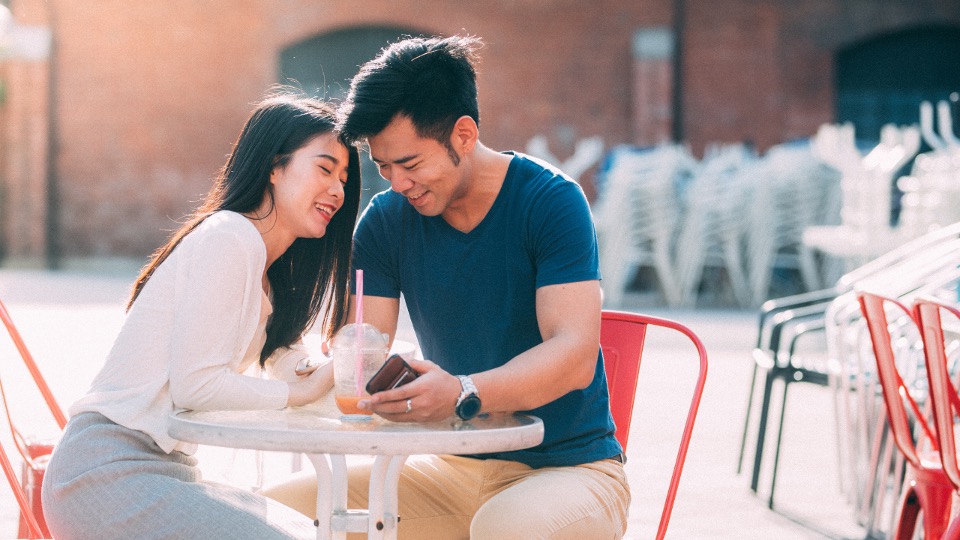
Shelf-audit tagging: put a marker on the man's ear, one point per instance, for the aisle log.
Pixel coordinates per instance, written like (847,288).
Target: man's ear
(464,136)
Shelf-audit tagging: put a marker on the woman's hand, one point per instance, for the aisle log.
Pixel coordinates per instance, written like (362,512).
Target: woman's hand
(311,387)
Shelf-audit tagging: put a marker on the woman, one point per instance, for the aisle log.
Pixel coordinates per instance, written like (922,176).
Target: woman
(238,284)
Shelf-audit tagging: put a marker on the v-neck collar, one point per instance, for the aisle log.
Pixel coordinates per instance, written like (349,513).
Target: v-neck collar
(477,231)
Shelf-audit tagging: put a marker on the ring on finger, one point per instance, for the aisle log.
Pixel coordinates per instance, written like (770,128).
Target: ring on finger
(409,406)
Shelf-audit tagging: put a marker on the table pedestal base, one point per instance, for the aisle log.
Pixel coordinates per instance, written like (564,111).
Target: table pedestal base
(334,520)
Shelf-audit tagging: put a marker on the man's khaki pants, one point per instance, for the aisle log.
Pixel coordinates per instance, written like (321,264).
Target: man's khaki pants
(452,497)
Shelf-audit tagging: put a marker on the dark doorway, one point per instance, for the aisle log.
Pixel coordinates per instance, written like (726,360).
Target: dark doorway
(323,66)
(884,79)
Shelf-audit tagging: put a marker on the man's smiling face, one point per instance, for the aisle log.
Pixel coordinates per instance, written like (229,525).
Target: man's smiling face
(420,169)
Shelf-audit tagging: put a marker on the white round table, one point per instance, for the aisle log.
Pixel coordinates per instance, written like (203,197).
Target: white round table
(318,431)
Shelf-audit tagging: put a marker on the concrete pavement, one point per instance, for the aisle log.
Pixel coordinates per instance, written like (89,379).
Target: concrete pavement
(69,318)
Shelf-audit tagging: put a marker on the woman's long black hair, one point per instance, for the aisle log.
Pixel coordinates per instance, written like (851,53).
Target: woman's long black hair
(313,275)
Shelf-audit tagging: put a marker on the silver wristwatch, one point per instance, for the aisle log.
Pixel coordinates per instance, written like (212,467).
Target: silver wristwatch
(468,404)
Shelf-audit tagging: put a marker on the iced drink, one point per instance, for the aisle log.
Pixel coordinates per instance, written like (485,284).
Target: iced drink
(358,352)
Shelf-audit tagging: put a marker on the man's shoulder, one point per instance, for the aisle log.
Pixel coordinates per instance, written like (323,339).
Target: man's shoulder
(537,179)
(385,203)
(387,198)
(383,216)
(533,166)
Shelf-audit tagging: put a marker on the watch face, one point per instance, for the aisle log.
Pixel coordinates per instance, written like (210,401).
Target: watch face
(469,407)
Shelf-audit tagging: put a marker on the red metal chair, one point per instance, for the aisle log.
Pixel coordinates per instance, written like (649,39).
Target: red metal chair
(27,518)
(622,337)
(35,453)
(943,392)
(927,490)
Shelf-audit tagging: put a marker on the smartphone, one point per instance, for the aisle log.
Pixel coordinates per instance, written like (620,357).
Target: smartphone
(395,372)
(307,365)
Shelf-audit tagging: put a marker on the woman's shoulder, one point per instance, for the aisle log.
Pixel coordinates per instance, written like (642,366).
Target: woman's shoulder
(226,231)
(227,223)
(227,220)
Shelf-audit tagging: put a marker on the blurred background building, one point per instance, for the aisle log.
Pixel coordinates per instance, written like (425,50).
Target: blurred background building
(115,115)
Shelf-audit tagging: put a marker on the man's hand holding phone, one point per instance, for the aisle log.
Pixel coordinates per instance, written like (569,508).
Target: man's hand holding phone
(394,399)
(394,373)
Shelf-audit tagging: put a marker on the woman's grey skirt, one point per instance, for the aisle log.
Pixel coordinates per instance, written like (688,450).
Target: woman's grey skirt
(107,481)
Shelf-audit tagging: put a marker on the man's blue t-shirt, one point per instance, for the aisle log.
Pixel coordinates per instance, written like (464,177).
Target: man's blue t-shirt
(472,296)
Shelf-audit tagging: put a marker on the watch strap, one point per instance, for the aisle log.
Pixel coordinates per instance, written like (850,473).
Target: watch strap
(468,404)
(467,388)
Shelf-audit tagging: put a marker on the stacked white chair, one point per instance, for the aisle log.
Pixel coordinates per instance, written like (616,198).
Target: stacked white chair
(932,191)
(713,227)
(795,191)
(637,214)
(866,184)
(734,212)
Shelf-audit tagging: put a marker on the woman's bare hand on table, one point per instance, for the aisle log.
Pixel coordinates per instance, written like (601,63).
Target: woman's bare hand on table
(311,387)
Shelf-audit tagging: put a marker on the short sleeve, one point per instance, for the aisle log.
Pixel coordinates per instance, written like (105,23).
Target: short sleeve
(563,236)
(376,247)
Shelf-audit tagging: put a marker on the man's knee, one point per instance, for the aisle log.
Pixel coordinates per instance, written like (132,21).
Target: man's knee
(495,521)
(298,492)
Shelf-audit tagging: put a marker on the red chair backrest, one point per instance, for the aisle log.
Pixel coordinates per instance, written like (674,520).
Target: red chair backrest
(895,392)
(18,342)
(34,453)
(27,517)
(943,393)
(622,336)
(621,339)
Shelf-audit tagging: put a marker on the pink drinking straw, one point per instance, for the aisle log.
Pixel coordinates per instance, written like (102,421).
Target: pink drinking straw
(358,345)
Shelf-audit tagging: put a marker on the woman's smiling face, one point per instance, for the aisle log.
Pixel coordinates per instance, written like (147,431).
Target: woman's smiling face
(308,189)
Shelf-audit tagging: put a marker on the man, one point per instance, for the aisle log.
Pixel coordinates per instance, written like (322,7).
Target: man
(496,257)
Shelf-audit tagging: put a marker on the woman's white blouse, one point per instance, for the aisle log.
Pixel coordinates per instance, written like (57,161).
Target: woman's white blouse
(197,326)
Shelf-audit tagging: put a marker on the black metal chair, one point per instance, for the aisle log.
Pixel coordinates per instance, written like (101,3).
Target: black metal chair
(782,324)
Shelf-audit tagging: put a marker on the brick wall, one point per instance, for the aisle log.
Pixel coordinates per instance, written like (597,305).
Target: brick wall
(651,110)
(24,141)
(150,95)
(762,70)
